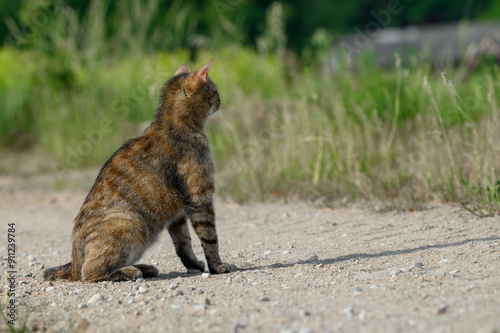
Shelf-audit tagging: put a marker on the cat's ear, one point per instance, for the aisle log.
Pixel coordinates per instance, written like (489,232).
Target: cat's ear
(202,73)
(183,69)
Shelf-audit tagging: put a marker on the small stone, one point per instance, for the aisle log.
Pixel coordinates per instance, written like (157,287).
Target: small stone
(418,264)
(238,326)
(267,252)
(175,306)
(81,325)
(395,272)
(257,271)
(286,252)
(356,290)
(177,292)
(349,311)
(56,253)
(202,300)
(199,307)
(444,261)
(27,275)
(362,315)
(82,306)
(140,280)
(454,272)
(306,330)
(143,290)
(31,257)
(440,309)
(50,288)
(256,244)
(406,269)
(173,286)
(312,258)
(96,298)
(304,312)
(206,275)
(265,299)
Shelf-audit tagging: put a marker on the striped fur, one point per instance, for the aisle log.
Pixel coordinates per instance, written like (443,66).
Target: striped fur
(158,180)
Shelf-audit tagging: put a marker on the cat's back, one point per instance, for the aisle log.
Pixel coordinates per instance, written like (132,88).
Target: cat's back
(141,176)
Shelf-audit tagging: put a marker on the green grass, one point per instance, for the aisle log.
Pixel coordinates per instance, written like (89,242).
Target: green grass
(374,134)
(485,200)
(20,322)
(403,136)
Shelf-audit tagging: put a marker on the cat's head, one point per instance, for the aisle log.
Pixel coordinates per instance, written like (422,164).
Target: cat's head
(192,92)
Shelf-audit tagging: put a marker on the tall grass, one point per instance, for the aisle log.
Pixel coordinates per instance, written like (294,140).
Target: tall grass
(376,134)
(405,135)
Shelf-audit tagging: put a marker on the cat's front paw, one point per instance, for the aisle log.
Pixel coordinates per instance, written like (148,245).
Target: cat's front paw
(223,268)
(196,268)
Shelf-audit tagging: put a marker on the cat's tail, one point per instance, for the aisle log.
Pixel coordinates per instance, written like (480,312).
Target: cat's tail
(59,272)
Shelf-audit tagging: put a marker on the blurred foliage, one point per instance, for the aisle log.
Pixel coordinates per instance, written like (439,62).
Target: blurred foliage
(79,78)
(403,134)
(196,23)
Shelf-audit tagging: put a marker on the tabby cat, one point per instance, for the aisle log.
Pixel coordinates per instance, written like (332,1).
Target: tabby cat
(159,179)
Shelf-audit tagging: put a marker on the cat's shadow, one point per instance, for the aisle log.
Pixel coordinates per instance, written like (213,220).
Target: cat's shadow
(355,256)
(173,275)
(329,261)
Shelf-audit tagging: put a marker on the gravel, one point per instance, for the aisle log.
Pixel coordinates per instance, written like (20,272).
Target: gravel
(310,270)
(96,298)
(143,290)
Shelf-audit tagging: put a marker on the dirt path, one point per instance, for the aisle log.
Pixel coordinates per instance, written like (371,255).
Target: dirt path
(301,269)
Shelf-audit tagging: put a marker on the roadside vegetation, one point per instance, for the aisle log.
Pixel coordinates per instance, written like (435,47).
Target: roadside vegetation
(403,136)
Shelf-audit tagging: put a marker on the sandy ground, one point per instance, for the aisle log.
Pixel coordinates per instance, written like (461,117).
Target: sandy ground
(300,269)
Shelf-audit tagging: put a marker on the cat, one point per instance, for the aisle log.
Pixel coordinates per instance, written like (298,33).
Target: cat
(157,180)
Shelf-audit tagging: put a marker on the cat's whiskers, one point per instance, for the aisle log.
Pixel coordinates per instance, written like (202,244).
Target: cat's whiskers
(223,115)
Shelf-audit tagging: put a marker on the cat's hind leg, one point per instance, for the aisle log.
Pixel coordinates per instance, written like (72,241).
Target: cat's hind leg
(109,267)
(179,231)
(147,271)
(113,246)
(129,273)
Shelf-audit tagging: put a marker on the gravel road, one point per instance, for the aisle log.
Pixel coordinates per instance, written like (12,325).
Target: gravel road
(300,269)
